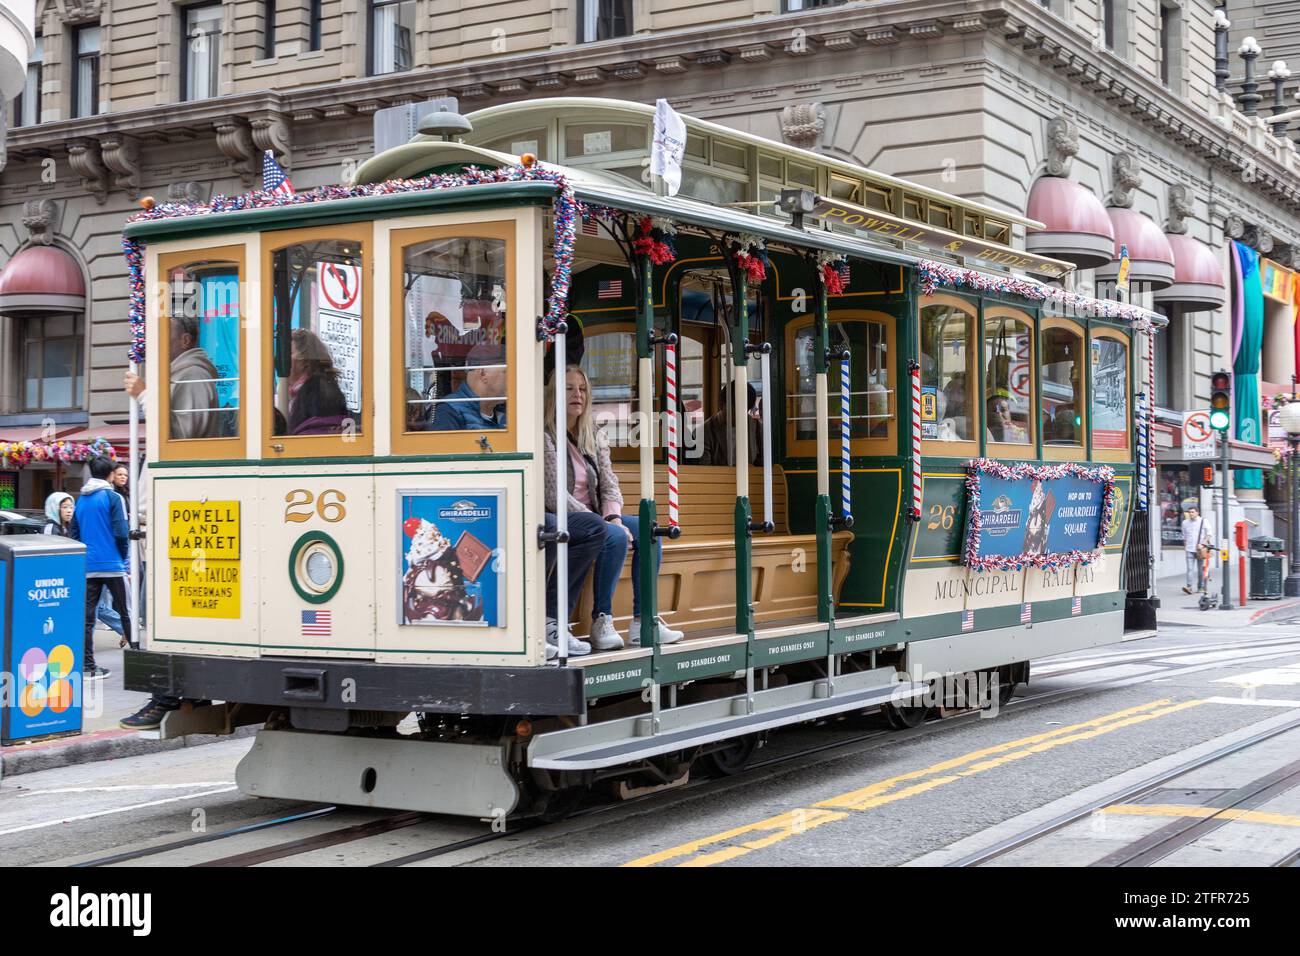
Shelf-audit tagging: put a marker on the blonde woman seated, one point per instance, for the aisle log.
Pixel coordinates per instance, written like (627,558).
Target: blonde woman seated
(593,488)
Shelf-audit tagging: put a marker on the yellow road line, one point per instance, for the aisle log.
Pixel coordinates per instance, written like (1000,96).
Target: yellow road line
(1179,810)
(793,822)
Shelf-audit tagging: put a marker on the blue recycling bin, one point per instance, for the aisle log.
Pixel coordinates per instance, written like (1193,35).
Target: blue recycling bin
(43,602)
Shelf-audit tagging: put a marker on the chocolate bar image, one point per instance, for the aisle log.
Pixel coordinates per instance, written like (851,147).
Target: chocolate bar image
(473,555)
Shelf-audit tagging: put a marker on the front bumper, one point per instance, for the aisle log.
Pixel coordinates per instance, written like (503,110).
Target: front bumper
(349,685)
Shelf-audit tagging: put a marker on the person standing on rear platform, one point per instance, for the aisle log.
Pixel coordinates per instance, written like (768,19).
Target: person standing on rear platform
(99,522)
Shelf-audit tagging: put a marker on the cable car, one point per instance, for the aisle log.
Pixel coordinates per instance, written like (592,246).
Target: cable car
(871,449)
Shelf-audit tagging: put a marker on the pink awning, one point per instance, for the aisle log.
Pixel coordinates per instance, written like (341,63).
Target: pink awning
(1198,278)
(1151,259)
(42,279)
(1078,229)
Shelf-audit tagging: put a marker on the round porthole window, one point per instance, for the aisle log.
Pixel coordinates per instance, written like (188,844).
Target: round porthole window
(316,567)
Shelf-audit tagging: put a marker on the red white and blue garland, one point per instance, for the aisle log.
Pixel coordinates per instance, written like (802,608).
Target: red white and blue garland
(566,209)
(934,274)
(1103,475)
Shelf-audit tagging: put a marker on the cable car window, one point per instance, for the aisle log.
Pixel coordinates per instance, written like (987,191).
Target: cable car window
(871,393)
(1008,379)
(203,350)
(1108,361)
(455,334)
(1063,397)
(316,375)
(949,402)
(610,362)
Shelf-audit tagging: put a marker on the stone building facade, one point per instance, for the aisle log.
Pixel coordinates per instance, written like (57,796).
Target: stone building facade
(980,98)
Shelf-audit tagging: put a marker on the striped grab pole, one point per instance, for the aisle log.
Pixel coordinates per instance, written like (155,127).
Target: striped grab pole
(915,512)
(846,493)
(1150,405)
(1142,439)
(670,379)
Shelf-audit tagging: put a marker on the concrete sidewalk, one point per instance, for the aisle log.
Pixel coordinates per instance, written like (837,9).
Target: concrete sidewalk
(101,739)
(1179,608)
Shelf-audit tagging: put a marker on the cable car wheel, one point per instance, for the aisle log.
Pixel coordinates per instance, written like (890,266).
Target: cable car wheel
(731,758)
(905,716)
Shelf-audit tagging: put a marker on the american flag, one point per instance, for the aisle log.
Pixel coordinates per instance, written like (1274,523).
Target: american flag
(968,620)
(1026,613)
(590,227)
(316,623)
(845,275)
(273,178)
(613,289)
(1076,605)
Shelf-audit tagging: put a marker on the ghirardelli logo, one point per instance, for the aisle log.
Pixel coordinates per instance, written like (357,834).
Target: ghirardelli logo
(463,512)
(1001,520)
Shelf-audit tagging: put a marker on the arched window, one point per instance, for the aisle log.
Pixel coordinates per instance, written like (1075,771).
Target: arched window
(1009,364)
(950,414)
(1065,406)
(1112,395)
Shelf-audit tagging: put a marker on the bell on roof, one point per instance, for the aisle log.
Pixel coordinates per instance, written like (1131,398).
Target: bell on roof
(446,124)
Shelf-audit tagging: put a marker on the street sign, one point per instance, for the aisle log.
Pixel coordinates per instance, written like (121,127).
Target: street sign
(1198,435)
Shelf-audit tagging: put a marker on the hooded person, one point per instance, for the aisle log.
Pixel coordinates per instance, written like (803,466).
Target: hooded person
(59,508)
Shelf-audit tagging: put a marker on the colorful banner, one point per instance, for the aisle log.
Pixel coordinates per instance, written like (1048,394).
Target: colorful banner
(1245,367)
(450,563)
(1048,516)
(1276,280)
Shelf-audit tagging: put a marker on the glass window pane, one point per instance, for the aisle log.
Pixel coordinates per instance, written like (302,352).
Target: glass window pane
(610,364)
(203,303)
(871,393)
(1062,366)
(202,51)
(456,335)
(394,26)
(32,380)
(88,40)
(1109,393)
(58,325)
(1009,380)
(594,139)
(947,374)
(58,372)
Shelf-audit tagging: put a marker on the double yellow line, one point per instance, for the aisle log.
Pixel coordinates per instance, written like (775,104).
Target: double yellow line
(739,841)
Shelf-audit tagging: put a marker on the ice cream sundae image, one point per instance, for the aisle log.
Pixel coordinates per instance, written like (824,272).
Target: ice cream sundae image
(434,585)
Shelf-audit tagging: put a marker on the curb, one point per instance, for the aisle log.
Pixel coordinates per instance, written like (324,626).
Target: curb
(1266,614)
(103,745)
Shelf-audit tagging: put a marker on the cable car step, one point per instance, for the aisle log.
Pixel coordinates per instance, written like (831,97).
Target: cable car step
(628,739)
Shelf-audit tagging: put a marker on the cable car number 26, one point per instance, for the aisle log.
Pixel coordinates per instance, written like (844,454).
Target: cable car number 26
(329,505)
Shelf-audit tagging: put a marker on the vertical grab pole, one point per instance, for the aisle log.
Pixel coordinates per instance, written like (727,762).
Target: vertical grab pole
(740,398)
(133,519)
(765,361)
(561,425)
(670,400)
(846,492)
(825,612)
(646,513)
(915,369)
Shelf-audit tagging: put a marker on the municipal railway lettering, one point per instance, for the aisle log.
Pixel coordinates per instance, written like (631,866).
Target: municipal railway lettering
(978,585)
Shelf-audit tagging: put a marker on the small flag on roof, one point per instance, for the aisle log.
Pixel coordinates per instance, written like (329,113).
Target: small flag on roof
(273,178)
(613,289)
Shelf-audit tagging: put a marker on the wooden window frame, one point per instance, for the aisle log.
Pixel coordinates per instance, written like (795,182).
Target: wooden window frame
(861,447)
(969,448)
(994,449)
(198,449)
(625,452)
(1124,454)
(454,442)
(319,446)
(1077,452)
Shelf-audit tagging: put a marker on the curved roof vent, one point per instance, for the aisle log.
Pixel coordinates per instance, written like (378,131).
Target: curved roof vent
(445,124)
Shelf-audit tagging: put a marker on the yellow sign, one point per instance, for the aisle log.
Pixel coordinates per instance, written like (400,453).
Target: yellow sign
(205,589)
(203,544)
(203,530)
(1125,264)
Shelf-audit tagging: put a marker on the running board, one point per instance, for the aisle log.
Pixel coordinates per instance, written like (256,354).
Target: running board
(628,739)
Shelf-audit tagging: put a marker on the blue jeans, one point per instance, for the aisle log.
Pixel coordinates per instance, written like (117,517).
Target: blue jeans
(107,615)
(609,565)
(586,538)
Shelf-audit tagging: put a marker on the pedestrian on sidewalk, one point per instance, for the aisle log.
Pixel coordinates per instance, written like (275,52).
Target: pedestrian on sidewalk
(59,508)
(100,524)
(1196,548)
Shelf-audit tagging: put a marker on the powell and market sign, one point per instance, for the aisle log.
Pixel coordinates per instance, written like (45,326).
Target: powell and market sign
(887,226)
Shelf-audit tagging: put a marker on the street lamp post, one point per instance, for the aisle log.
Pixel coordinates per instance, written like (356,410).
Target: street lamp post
(1289,417)
(1279,74)
(1221,70)
(1249,97)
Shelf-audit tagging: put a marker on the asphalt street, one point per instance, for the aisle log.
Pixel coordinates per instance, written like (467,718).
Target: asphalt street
(1082,740)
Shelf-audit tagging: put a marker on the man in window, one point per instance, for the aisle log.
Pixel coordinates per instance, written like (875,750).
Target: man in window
(193,382)
(480,402)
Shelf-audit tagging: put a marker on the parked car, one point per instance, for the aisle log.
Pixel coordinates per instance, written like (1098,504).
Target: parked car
(21,522)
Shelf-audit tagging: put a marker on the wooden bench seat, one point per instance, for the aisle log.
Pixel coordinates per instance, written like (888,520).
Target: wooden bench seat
(697,577)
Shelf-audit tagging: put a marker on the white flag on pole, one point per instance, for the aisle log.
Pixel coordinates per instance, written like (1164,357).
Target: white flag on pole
(669,146)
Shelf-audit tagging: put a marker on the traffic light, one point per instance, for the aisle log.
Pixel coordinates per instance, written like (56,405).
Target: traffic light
(1220,400)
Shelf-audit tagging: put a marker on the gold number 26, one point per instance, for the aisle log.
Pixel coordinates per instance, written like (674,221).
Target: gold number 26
(329,505)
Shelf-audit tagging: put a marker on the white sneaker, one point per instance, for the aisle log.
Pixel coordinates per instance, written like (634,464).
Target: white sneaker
(577,648)
(603,637)
(665,635)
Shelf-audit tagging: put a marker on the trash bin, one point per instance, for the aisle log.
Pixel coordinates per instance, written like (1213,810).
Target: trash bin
(1265,568)
(43,607)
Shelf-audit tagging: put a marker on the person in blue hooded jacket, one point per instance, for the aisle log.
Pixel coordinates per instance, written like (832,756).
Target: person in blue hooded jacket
(99,523)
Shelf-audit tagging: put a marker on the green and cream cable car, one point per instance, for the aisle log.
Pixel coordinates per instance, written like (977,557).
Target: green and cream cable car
(873,453)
